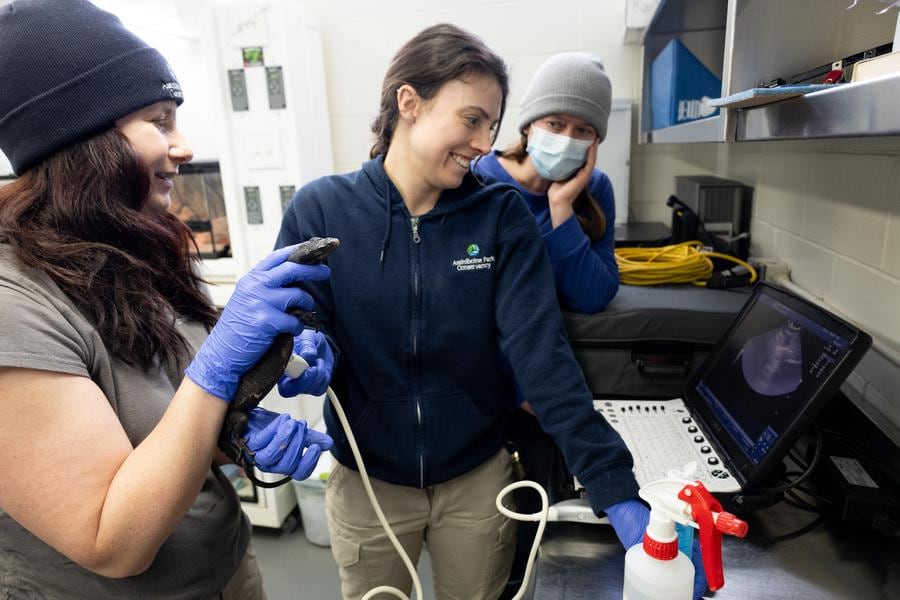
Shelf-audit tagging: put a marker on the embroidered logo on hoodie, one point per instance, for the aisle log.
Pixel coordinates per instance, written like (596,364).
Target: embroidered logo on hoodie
(473,262)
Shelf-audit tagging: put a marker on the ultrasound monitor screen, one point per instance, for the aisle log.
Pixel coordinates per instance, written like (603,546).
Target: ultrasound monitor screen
(771,366)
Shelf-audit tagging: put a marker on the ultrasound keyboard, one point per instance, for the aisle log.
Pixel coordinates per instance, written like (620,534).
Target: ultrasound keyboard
(663,439)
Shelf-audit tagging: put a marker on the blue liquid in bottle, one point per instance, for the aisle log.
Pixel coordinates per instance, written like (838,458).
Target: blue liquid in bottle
(685,538)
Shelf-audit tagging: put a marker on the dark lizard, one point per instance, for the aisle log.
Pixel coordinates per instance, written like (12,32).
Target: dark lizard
(262,377)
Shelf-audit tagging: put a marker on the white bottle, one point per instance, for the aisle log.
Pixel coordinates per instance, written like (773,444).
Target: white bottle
(656,570)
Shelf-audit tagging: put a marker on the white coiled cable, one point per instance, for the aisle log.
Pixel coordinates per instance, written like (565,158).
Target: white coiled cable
(540,516)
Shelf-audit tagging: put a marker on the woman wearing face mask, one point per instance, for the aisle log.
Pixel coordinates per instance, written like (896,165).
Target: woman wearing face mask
(562,119)
(115,373)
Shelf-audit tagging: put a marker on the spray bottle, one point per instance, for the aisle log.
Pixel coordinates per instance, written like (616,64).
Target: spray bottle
(656,570)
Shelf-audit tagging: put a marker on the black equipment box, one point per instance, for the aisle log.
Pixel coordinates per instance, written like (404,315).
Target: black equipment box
(649,340)
(724,208)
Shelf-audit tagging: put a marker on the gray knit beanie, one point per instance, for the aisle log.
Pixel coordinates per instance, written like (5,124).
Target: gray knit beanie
(69,70)
(572,83)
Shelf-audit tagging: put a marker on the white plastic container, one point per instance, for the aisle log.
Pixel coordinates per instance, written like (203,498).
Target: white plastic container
(655,569)
(311,499)
(649,578)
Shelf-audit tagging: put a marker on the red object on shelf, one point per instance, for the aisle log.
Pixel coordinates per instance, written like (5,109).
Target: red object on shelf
(834,76)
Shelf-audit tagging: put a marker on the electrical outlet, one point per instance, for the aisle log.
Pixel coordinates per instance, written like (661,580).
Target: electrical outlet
(263,148)
(773,269)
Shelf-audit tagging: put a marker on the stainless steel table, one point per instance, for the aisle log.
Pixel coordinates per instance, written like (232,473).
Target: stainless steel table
(833,560)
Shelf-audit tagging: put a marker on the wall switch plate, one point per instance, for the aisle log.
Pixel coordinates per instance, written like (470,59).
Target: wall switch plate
(286,192)
(237,85)
(264,149)
(253,203)
(275,87)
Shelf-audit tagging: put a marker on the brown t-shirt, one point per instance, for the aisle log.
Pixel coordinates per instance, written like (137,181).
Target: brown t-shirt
(40,328)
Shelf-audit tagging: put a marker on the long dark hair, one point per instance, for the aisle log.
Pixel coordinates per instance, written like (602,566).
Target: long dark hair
(76,216)
(590,215)
(436,55)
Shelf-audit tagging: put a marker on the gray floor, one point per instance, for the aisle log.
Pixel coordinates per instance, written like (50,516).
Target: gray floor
(295,569)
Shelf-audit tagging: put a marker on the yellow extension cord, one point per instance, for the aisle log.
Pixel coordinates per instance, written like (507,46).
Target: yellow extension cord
(686,262)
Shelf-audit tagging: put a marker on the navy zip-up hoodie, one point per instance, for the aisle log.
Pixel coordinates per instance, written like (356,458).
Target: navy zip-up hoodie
(420,310)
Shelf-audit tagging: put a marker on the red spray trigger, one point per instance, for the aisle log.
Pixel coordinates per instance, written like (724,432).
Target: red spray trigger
(713,522)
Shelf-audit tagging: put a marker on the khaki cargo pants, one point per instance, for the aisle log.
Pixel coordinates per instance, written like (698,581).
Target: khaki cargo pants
(471,544)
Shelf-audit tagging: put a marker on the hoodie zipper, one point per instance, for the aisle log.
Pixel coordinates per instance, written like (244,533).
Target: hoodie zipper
(414,224)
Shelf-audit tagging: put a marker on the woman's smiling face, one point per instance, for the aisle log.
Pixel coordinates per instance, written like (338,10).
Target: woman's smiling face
(453,128)
(153,134)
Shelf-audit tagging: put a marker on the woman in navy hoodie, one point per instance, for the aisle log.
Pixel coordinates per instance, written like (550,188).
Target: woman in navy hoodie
(437,277)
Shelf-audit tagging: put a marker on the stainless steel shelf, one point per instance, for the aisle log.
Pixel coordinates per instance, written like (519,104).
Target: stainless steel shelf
(682,17)
(867,108)
(748,41)
(703,130)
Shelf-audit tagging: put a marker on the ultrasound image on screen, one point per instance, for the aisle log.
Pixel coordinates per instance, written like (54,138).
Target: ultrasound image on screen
(773,364)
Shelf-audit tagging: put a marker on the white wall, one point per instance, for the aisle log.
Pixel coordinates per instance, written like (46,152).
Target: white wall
(361,36)
(5,167)
(171,27)
(830,209)
(174,28)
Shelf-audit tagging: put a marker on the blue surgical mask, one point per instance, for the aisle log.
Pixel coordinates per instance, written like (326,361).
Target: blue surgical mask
(556,157)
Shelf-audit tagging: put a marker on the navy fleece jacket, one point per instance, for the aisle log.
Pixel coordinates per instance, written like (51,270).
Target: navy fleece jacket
(586,273)
(421,309)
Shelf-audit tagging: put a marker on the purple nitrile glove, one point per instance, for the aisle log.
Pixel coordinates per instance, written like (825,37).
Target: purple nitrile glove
(313,347)
(284,445)
(629,520)
(253,316)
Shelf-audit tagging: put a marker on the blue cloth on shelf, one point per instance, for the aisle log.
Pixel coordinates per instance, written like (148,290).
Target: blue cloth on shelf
(757,96)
